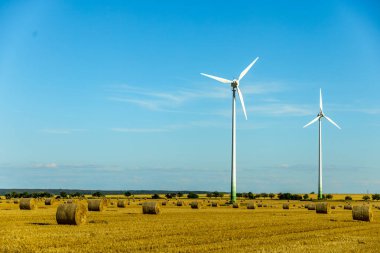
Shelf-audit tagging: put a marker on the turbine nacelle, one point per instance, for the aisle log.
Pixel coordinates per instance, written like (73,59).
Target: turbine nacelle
(235,83)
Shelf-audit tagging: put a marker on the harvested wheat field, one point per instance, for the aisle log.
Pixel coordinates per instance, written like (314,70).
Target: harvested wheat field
(183,229)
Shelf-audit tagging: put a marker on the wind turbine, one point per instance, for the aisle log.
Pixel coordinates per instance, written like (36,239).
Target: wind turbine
(235,87)
(319,118)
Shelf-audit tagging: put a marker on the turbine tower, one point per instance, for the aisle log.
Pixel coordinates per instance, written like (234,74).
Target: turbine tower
(235,87)
(319,118)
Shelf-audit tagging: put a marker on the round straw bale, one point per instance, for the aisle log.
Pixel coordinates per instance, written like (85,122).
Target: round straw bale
(121,203)
(95,205)
(251,205)
(214,204)
(285,206)
(333,207)
(265,205)
(164,203)
(195,205)
(311,207)
(70,201)
(28,204)
(180,203)
(259,205)
(307,206)
(49,201)
(16,201)
(150,208)
(363,213)
(236,205)
(71,214)
(347,207)
(323,207)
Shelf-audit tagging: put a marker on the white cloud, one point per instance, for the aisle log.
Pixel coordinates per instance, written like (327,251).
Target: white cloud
(139,130)
(161,100)
(45,165)
(281,109)
(61,130)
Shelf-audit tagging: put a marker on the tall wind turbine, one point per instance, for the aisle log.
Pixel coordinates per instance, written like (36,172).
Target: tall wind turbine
(235,87)
(319,118)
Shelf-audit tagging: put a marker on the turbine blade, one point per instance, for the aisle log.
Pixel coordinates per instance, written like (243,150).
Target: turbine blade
(242,102)
(242,74)
(332,122)
(320,100)
(311,122)
(222,80)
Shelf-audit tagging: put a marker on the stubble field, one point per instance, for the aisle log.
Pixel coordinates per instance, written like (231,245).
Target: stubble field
(182,229)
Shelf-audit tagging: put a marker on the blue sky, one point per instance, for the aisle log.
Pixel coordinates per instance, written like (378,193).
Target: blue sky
(108,95)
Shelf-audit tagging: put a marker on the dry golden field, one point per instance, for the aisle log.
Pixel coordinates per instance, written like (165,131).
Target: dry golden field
(182,229)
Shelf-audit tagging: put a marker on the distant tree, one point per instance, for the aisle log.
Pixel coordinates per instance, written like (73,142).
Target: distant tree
(97,194)
(127,194)
(366,198)
(375,196)
(264,195)
(288,196)
(155,196)
(217,194)
(348,198)
(239,195)
(209,195)
(329,196)
(77,195)
(192,195)
(312,192)
(306,196)
(250,195)
(179,194)
(63,194)
(271,195)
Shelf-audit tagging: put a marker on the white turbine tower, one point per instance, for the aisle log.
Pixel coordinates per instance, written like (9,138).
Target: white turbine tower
(235,87)
(319,117)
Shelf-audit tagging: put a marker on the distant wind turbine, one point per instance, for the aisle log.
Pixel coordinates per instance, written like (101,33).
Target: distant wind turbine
(235,87)
(319,117)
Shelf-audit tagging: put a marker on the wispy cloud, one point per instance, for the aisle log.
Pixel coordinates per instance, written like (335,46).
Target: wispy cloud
(45,165)
(139,130)
(282,109)
(173,99)
(61,130)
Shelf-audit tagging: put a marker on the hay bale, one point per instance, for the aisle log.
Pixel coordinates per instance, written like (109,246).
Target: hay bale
(311,207)
(259,205)
(49,202)
(236,205)
(121,203)
(164,203)
(71,214)
(180,203)
(95,205)
(333,207)
(265,205)
(363,213)
(214,204)
(195,205)
(307,206)
(70,201)
(150,208)
(251,205)
(347,207)
(16,201)
(285,206)
(323,207)
(28,204)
